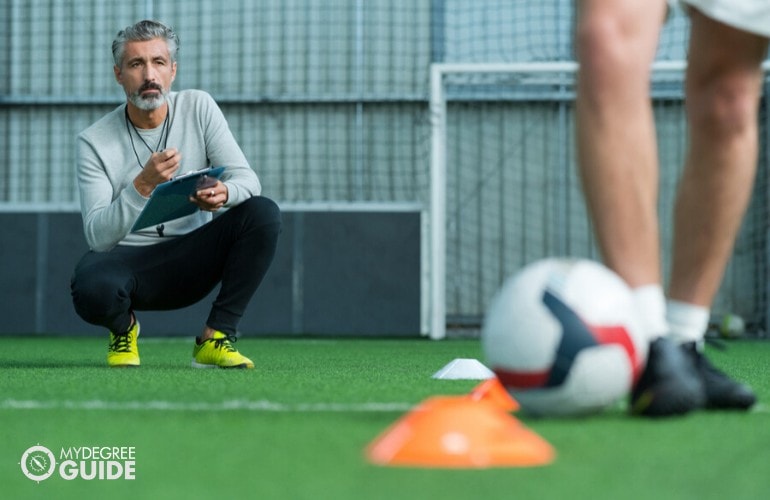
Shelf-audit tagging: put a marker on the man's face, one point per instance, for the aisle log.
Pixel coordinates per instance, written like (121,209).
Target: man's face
(146,73)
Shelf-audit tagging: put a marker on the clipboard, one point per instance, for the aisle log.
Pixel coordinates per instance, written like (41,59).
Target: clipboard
(171,199)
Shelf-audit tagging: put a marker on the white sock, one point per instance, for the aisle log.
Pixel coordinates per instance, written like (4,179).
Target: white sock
(688,322)
(650,302)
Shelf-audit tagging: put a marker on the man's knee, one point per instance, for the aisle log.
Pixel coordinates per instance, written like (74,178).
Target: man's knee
(724,103)
(263,212)
(616,43)
(97,289)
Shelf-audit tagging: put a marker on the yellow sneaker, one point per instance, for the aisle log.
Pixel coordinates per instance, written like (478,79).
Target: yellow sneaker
(218,352)
(123,349)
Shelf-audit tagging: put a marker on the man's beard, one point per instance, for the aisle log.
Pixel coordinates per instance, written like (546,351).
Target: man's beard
(149,102)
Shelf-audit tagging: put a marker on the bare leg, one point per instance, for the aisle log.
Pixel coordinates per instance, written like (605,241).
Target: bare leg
(617,150)
(723,89)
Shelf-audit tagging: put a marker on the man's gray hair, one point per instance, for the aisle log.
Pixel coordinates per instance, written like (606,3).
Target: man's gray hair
(144,31)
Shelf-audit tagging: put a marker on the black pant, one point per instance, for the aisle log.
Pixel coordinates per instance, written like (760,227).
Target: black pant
(236,249)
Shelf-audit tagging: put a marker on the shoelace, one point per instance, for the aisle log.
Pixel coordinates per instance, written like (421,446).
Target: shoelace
(120,343)
(225,343)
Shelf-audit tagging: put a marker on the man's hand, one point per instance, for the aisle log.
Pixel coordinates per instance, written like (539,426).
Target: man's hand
(211,198)
(159,168)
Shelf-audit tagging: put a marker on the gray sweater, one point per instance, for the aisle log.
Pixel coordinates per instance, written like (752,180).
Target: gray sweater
(108,164)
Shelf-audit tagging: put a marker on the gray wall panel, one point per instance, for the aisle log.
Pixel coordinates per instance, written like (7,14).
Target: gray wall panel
(18,266)
(361,277)
(65,246)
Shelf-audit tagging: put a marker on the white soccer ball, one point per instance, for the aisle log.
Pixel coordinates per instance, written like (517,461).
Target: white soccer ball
(563,337)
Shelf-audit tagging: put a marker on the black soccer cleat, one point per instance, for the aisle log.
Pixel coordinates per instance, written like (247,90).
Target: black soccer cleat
(722,392)
(669,385)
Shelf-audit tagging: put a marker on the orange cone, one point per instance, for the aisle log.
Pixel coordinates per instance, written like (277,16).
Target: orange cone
(458,432)
(493,391)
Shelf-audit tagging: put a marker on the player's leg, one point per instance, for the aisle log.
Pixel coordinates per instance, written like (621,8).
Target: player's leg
(616,43)
(723,91)
(617,150)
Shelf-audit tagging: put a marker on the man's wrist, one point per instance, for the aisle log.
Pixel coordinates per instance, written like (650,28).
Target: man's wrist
(143,188)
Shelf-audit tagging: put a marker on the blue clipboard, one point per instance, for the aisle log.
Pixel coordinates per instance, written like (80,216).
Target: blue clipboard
(171,200)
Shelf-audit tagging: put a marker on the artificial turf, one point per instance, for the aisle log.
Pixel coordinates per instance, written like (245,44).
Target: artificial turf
(296,427)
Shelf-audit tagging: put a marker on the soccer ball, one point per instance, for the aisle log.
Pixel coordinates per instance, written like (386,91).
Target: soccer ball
(563,337)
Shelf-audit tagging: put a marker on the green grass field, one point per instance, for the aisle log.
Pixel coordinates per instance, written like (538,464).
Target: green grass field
(296,427)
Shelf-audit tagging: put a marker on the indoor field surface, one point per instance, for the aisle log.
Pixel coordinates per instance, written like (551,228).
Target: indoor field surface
(298,425)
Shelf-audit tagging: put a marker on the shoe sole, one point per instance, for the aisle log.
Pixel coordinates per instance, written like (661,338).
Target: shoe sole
(204,366)
(129,364)
(666,401)
(731,403)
